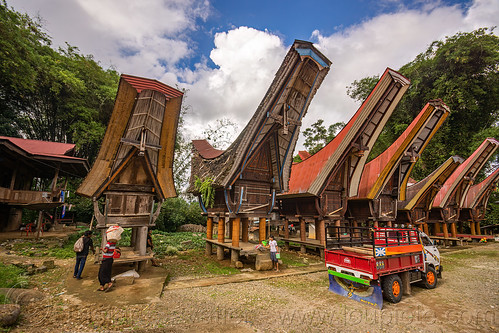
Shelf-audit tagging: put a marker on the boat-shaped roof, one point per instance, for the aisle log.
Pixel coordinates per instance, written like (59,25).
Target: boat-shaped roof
(311,176)
(476,192)
(145,119)
(408,147)
(276,120)
(464,175)
(427,188)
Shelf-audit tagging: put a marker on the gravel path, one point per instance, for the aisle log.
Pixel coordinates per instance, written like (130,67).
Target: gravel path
(466,299)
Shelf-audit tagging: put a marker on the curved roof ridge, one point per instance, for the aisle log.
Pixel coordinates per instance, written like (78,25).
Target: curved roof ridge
(205,149)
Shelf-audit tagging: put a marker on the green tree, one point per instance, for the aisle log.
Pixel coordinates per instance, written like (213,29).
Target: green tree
(317,136)
(176,212)
(462,70)
(46,94)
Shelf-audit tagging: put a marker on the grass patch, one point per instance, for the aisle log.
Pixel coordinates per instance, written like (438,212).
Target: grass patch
(291,260)
(12,276)
(195,263)
(164,242)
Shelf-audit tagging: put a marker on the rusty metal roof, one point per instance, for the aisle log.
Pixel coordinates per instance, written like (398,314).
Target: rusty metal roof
(310,176)
(424,189)
(404,152)
(465,173)
(206,150)
(140,84)
(477,191)
(51,155)
(38,147)
(304,154)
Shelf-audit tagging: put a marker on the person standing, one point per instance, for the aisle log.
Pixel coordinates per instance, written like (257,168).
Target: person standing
(273,253)
(81,257)
(106,266)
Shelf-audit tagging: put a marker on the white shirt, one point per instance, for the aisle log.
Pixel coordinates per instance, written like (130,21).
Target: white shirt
(273,245)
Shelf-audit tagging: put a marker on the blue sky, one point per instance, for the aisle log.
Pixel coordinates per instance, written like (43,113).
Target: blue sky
(227,52)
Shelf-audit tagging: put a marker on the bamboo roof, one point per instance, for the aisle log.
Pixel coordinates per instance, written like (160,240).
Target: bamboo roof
(143,123)
(277,121)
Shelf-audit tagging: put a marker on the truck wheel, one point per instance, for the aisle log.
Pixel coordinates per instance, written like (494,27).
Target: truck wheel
(430,278)
(392,288)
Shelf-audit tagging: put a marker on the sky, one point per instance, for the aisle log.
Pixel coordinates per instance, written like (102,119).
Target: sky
(226,52)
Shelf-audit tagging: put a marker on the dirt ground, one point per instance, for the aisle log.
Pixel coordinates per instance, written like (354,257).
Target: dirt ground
(466,299)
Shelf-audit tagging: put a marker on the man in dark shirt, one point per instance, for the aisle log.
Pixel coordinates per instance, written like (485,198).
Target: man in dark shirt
(81,257)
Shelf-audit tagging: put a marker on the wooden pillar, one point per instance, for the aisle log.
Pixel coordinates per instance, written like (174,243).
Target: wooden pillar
(322,227)
(142,245)
(303,230)
(303,235)
(286,228)
(389,224)
(453,229)
(236,227)
(209,235)
(13,179)
(221,230)
(477,228)
(229,225)
(209,227)
(54,182)
(133,237)
(446,230)
(355,225)
(376,224)
(437,228)
(245,229)
(141,241)
(39,224)
(317,230)
(472,227)
(262,228)
(425,228)
(337,230)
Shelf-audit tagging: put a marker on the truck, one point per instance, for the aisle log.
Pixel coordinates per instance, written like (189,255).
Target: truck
(368,264)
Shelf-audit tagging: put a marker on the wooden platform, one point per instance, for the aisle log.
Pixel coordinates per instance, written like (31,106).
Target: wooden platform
(244,248)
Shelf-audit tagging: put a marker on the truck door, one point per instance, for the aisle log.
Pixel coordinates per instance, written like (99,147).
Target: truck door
(431,253)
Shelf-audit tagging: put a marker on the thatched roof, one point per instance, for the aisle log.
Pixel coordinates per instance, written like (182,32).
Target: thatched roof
(277,120)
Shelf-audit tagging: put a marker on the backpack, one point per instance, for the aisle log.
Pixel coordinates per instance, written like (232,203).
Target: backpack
(78,247)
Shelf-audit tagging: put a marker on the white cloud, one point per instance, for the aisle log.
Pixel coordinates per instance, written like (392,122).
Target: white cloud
(150,38)
(247,60)
(145,38)
(389,40)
